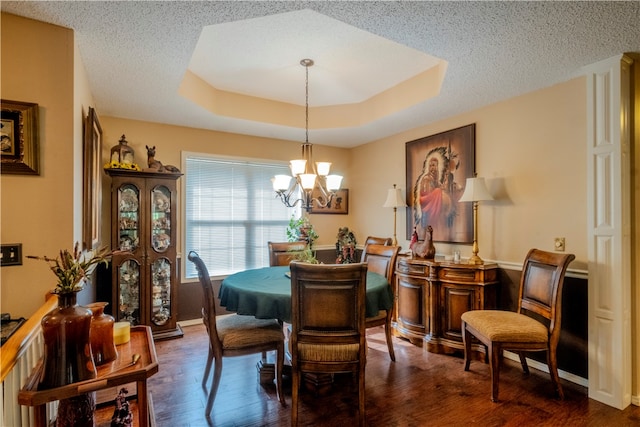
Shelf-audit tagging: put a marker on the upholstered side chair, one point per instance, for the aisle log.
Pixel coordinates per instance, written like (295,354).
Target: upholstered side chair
(234,335)
(540,296)
(328,332)
(381,259)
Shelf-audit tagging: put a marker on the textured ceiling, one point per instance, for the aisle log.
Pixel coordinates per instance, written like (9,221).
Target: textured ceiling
(137,53)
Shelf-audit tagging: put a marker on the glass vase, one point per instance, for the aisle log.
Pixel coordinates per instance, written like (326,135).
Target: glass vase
(103,346)
(67,347)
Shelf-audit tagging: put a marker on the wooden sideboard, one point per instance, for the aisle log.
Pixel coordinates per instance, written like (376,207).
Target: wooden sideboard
(431,296)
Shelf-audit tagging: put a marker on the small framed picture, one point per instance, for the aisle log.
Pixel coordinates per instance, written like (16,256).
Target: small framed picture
(19,138)
(339,204)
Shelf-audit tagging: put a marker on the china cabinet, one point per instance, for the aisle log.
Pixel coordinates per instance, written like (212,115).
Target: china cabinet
(143,232)
(432,295)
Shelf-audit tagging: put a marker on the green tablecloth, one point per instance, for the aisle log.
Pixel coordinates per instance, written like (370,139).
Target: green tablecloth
(266,293)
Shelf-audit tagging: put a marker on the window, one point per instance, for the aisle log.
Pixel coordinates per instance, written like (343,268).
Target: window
(231,213)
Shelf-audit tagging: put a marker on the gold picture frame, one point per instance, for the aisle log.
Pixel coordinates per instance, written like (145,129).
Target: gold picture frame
(338,205)
(19,138)
(92,181)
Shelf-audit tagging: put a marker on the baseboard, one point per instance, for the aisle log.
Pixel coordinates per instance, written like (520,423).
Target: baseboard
(544,368)
(190,322)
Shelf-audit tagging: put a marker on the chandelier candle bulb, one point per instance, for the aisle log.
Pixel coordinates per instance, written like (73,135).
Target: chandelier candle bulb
(121,332)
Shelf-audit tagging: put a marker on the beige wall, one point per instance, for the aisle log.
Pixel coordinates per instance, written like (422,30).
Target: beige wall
(39,211)
(532,152)
(172,141)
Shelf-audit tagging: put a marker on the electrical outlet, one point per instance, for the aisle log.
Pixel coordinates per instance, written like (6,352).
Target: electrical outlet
(11,254)
(558,244)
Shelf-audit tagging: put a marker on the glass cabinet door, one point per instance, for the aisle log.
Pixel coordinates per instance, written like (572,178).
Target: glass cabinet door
(160,291)
(160,218)
(129,292)
(129,215)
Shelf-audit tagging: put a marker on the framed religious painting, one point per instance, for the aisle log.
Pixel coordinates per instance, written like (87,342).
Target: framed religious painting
(92,182)
(19,138)
(437,169)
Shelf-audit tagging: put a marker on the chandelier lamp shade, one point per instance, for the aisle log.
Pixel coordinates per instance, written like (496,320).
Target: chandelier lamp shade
(475,191)
(395,201)
(305,174)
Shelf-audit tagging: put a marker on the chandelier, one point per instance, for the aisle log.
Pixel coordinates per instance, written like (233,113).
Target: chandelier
(306,175)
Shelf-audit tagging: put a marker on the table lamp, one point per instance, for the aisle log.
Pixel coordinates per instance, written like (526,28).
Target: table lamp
(475,191)
(395,201)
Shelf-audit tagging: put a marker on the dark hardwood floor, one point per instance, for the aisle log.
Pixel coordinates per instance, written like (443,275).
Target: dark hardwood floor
(419,389)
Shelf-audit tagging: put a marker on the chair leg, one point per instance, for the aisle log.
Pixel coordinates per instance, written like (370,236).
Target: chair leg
(466,341)
(523,362)
(387,332)
(207,368)
(552,362)
(278,372)
(295,388)
(361,400)
(215,382)
(495,352)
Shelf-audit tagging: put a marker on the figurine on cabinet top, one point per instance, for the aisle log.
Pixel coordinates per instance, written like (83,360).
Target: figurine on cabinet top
(156,165)
(423,248)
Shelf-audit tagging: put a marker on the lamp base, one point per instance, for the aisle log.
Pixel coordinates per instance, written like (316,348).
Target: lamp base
(475,260)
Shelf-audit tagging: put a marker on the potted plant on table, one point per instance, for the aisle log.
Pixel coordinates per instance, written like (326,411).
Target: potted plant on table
(301,229)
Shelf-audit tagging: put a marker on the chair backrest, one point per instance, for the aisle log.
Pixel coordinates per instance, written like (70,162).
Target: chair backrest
(381,259)
(541,287)
(373,240)
(282,253)
(208,300)
(378,241)
(328,303)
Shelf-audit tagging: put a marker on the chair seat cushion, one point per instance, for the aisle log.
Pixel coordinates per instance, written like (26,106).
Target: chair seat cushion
(328,353)
(506,326)
(237,331)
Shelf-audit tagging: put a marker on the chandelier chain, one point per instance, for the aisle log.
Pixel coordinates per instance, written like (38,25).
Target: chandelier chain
(306,68)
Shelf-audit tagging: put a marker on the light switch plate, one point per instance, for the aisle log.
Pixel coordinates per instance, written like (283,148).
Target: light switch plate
(11,254)
(558,244)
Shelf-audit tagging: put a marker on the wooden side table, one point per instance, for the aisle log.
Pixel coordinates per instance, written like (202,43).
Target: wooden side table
(115,373)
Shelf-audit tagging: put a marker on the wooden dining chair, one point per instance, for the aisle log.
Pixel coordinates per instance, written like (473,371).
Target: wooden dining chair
(235,335)
(373,240)
(540,295)
(328,331)
(382,260)
(282,253)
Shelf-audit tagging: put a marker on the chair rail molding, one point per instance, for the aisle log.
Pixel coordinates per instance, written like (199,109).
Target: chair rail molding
(608,230)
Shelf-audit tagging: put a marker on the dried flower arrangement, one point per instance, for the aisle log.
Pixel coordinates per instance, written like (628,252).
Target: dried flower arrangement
(73,268)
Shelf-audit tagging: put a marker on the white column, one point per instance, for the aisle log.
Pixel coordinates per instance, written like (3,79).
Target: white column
(608,229)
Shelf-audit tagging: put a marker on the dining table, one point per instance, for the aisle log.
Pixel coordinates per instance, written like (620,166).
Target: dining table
(265,293)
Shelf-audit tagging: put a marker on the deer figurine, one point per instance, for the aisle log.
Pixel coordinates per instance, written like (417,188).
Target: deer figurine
(156,165)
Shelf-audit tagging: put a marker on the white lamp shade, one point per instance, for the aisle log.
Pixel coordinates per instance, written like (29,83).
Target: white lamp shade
(298,166)
(475,190)
(333,182)
(394,199)
(281,182)
(323,168)
(308,180)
